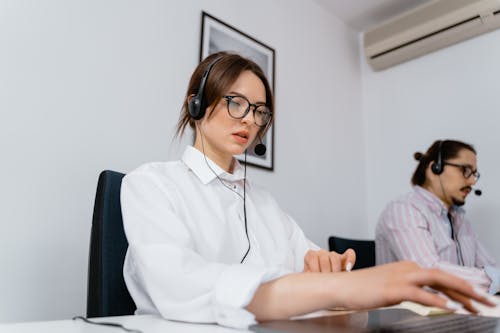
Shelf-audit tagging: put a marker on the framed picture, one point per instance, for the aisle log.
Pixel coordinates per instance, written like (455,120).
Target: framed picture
(218,36)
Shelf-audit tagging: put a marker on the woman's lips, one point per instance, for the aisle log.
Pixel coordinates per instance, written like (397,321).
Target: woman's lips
(241,137)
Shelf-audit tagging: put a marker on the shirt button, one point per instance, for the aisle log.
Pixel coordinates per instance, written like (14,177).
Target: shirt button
(234,186)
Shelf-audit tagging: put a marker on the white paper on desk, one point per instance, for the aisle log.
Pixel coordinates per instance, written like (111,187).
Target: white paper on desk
(422,309)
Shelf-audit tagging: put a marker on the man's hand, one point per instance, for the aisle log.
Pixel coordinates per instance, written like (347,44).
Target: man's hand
(327,262)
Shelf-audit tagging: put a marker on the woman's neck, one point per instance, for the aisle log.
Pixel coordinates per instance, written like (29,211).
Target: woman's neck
(225,162)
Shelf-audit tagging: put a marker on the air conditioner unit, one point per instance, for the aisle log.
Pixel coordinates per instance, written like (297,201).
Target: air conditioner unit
(435,25)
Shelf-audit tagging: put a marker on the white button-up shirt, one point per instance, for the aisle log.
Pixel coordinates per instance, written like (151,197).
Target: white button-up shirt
(185,226)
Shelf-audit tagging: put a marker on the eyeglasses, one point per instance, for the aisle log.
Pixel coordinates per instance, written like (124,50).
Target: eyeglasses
(466,170)
(239,106)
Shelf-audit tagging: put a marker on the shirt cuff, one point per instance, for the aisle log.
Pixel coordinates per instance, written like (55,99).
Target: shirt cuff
(235,289)
(494,275)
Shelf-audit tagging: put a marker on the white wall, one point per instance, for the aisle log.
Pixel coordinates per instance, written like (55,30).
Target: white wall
(89,85)
(452,93)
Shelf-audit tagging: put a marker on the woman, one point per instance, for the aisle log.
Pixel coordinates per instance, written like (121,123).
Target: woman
(207,245)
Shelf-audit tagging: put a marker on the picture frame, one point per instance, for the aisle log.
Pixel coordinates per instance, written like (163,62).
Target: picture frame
(216,36)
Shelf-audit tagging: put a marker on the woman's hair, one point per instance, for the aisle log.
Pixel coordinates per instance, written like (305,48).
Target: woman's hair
(447,148)
(222,76)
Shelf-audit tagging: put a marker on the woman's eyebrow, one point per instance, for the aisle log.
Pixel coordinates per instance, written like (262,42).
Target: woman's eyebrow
(242,95)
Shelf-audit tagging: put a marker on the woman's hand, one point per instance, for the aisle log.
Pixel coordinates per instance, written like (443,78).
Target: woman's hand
(405,281)
(328,262)
(362,289)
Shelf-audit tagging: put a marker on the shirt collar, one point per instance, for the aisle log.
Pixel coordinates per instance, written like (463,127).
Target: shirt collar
(435,204)
(206,169)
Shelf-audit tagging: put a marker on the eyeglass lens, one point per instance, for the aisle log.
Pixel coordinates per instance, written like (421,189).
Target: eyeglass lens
(238,107)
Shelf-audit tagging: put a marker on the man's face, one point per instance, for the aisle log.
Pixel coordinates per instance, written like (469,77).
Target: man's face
(454,183)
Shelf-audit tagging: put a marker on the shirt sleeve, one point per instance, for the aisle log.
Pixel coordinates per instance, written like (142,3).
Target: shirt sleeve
(486,261)
(406,230)
(494,275)
(483,257)
(164,271)
(301,245)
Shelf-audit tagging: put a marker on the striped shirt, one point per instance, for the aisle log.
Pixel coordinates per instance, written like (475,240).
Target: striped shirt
(416,227)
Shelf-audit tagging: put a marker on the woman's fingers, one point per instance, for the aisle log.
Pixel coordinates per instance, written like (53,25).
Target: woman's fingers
(430,298)
(327,262)
(311,262)
(336,261)
(453,286)
(348,260)
(460,298)
(306,267)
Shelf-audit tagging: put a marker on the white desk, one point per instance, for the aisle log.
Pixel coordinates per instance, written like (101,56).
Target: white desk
(155,324)
(144,323)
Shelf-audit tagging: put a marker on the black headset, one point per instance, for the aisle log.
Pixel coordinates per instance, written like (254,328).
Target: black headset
(197,105)
(438,167)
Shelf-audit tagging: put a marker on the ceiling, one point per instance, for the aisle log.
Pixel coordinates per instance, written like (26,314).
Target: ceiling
(361,15)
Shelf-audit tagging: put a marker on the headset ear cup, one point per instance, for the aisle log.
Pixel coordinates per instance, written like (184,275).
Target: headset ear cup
(195,108)
(197,105)
(437,168)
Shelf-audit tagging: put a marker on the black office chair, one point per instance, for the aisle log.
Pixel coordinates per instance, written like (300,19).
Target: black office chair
(365,250)
(107,294)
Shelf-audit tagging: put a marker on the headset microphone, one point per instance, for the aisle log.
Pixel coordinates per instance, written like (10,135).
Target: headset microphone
(260,148)
(478,192)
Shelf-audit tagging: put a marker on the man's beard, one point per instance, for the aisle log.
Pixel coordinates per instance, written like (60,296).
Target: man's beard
(457,202)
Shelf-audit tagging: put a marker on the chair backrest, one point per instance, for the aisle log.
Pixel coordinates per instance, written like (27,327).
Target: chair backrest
(107,294)
(365,250)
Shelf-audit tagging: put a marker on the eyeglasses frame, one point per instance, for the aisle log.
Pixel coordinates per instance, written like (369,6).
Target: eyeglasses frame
(464,168)
(252,106)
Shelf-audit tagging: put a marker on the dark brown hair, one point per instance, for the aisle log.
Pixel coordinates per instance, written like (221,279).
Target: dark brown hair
(222,75)
(449,149)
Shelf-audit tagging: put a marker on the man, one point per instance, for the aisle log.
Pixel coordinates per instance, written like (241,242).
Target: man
(428,224)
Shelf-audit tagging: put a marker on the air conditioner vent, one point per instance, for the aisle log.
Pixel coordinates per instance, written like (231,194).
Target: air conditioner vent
(435,25)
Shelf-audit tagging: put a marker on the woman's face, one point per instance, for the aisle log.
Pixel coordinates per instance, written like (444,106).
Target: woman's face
(224,136)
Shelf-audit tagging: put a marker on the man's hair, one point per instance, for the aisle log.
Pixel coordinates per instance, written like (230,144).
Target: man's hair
(447,148)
